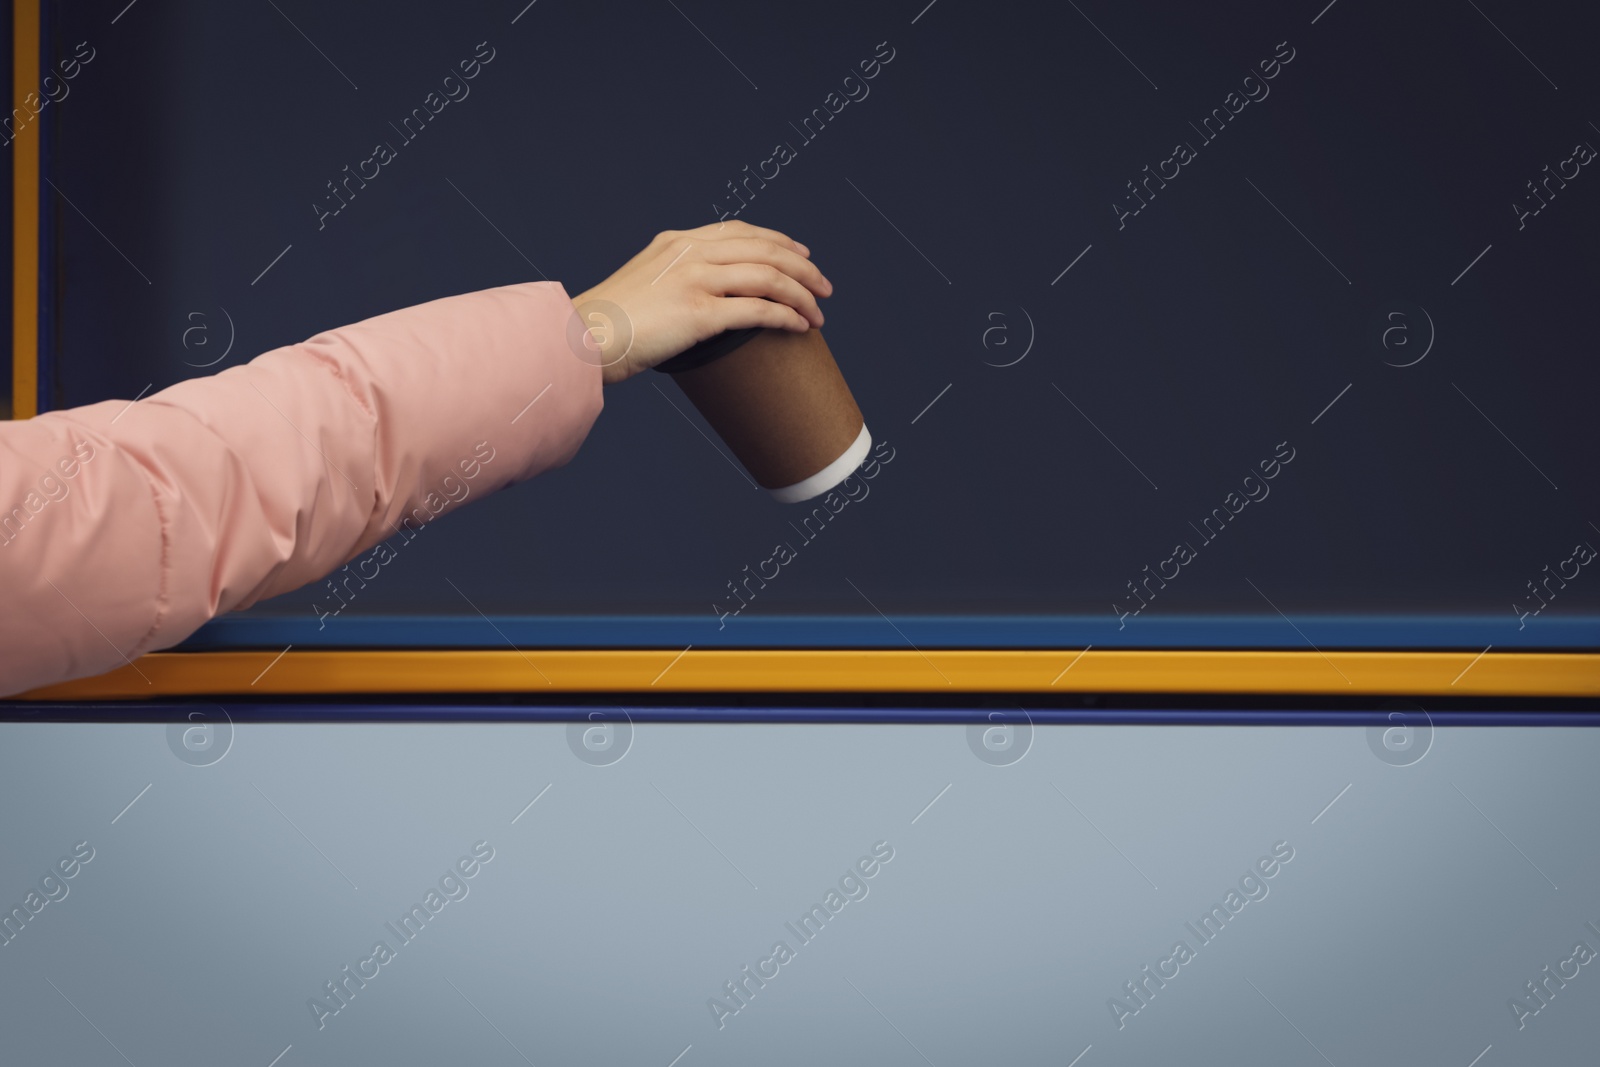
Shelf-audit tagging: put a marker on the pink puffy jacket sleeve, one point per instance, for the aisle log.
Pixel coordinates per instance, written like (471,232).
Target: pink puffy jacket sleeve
(124,527)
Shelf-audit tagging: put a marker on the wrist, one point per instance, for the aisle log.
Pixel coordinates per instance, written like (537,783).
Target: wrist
(600,337)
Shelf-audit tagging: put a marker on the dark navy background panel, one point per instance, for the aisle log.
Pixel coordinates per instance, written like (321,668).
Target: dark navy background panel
(1343,272)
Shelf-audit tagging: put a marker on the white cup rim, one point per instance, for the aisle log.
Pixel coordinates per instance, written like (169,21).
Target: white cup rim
(828,476)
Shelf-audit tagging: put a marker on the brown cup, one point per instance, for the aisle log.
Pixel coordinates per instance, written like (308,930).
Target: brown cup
(782,406)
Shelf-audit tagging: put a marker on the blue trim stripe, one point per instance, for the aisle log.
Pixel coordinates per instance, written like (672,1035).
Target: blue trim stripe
(1399,633)
(378,713)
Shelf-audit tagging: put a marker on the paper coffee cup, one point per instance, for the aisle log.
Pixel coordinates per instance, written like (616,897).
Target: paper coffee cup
(782,406)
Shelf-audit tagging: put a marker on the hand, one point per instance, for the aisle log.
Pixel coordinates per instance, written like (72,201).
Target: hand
(689,285)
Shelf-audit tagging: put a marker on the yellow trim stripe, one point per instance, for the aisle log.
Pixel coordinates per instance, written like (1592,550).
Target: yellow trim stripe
(813,671)
(25,216)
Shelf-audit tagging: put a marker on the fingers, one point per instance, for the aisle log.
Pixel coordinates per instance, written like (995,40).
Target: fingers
(761,250)
(735,228)
(759,279)
(738,313)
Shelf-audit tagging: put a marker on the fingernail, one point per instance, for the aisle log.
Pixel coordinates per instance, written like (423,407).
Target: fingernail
(803,249)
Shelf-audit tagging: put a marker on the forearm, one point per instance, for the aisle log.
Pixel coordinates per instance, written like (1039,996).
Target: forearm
(221,491)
